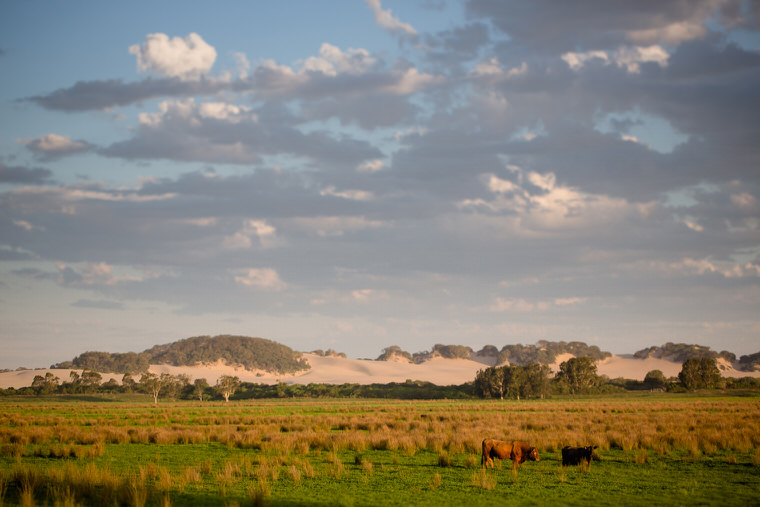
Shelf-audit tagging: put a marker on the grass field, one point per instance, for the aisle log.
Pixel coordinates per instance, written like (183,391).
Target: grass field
(659,449)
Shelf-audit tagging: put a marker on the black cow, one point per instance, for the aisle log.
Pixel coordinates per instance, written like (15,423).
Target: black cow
(576,455)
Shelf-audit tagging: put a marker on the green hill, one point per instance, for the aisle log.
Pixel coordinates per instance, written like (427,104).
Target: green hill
(680,352)
(252,353)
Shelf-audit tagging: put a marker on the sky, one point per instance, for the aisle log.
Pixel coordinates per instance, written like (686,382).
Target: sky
(360,174)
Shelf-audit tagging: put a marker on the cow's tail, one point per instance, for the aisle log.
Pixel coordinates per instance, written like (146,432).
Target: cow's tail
(483,455)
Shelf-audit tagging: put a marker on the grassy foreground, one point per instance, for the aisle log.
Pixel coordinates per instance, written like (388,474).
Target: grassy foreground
(653,449)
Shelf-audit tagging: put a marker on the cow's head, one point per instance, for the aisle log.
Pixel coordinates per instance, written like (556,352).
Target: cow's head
(533,454)
(588,452)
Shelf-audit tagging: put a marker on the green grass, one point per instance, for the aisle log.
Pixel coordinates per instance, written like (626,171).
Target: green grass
(429,454)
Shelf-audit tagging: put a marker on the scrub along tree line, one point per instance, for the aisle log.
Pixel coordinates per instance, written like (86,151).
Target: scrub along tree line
(160,386)
(577,375)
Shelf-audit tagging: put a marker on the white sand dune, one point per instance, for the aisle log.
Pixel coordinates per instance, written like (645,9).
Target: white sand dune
(337,370)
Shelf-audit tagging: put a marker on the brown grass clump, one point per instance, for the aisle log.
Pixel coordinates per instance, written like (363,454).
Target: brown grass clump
(192,474)
(483,480)
(435,481)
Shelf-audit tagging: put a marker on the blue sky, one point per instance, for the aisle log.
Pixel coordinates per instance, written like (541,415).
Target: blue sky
(360,174)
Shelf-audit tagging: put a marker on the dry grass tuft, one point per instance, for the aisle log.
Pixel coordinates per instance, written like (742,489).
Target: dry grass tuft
(483,480)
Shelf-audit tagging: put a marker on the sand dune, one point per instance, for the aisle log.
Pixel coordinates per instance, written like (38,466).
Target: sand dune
(337,370)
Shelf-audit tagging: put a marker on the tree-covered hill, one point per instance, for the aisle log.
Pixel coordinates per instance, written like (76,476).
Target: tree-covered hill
(544,352)
(252,353)
(750,362)
(681,352)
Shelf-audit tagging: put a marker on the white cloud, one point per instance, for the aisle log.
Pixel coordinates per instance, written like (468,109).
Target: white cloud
(673,33)
(186,58)
(86,193)
(547,206)
(353,195)
(632,57)
(689,267)
(501,186)
(544,181)
(745,201)
(629,57)
(273,79)
(54,145)
(521,305)
(577,60)
(261,278)
(386,19)
(26,225)
(332,61)
(693,226)
(258,229)
(243,65)
(368,295)
(371,166)
(226,112)
(569,301)
(518,305)
(410,81)
(490,67)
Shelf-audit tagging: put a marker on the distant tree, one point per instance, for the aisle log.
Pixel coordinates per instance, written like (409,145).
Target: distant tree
(74,385)
(655,379)
(488,351)
(227,385)
(700,373)
(173,385)
(537,380)
(514,381)
(128,383)
(149,383)
(393,350)
(111,386)
(45,385)
(199,388)
(453,351)
(90,380)
(489,383)
(578,374)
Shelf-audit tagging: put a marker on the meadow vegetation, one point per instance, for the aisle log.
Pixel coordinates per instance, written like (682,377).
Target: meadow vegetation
(656,448)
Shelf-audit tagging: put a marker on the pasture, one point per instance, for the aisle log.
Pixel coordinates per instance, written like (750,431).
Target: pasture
(661,449)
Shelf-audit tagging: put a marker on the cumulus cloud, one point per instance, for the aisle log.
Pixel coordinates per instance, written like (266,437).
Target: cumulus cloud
(499,197)
(388,21)
(260,278)
(232,134)
(52,146)
(182,57)
(673,33)
(629,57)
(252,230)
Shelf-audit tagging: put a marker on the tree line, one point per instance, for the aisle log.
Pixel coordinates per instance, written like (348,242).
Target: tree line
(577,375)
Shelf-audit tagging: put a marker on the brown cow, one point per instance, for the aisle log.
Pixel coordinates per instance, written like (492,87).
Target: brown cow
(576,455)
(518,452)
